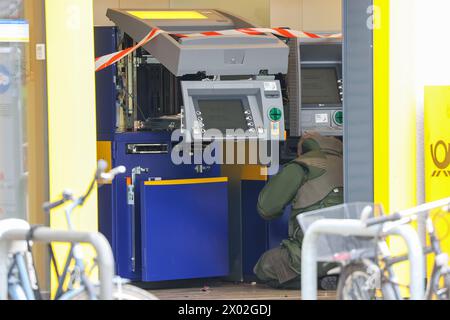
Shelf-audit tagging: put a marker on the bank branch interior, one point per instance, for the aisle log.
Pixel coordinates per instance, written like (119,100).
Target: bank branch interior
(216,150)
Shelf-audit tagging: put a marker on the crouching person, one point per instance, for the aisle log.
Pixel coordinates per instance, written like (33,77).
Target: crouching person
(312,181)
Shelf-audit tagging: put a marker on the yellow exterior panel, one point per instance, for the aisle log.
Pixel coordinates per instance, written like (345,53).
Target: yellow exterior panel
(381,102)
(437,153)
(403,117)
(71,111)
(403,100)
(395,165)
(168,15)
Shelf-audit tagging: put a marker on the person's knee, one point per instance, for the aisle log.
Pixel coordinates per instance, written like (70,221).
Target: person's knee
(274,267)
(264,269)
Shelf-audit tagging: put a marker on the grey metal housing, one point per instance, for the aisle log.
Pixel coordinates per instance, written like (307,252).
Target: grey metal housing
(358,102)
(313,53)
(262,97)
(218,55)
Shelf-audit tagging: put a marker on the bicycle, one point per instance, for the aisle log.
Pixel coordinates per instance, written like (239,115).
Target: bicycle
(21,275)
(22,279)
(370,278)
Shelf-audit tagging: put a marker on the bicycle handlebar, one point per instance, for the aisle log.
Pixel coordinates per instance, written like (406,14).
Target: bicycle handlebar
(374,221)
(113,173)
(66,196)
(99,175)
(47,206)
(101,167)
(410,213)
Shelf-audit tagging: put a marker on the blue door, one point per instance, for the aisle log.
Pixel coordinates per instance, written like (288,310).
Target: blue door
(184,225)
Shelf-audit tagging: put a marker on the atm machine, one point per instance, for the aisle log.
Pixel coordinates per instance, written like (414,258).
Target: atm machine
(315,87)
(175,221)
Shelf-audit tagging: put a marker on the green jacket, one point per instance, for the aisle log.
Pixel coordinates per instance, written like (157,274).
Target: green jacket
(308,172)
(281,191)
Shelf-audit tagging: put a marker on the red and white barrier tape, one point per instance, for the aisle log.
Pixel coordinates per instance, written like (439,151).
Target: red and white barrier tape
(108,60)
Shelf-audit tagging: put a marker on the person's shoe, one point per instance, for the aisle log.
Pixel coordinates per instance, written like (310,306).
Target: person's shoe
(328,283)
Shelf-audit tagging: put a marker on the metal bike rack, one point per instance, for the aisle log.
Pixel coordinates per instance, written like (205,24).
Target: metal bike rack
(98,241)
(357,228)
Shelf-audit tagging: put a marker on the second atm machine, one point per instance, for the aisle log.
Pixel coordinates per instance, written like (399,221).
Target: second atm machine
(169,221)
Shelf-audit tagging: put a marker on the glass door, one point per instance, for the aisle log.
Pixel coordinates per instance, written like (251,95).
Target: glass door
(23,125)
(14,34)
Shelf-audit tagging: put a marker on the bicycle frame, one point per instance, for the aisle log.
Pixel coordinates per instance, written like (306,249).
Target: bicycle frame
(19,272)
(15,240)
(377,279)
(20,289)
(388,281)
(75,255)
(440,261)
(105,259)
(357,228)
(84,282)
(20,284)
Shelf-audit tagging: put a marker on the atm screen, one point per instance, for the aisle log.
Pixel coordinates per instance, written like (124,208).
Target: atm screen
(320,86)
(223,114)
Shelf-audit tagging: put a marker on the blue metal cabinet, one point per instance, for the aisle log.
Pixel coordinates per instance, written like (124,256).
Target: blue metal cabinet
(106,93)
(254,235)
(184,229)
(127,244)
(258,235)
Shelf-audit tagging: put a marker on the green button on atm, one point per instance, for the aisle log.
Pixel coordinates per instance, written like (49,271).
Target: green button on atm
(338,118)
(275,114)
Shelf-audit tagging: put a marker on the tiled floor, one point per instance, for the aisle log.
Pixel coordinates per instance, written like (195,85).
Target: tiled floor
(229,291)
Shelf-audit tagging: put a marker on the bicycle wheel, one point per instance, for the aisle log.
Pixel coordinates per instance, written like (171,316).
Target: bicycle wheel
(440,286)
(126,292)
(447,286)
(16,292)
(354,283)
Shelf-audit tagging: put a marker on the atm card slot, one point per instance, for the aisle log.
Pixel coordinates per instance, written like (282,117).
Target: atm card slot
(147,148)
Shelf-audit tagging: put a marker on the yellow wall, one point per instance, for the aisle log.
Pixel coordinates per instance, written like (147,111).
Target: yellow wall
(395,171)
(381,103)
(414,98)
(395,105)
(433,64)
(71,107)
(402,124)
(433,81)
